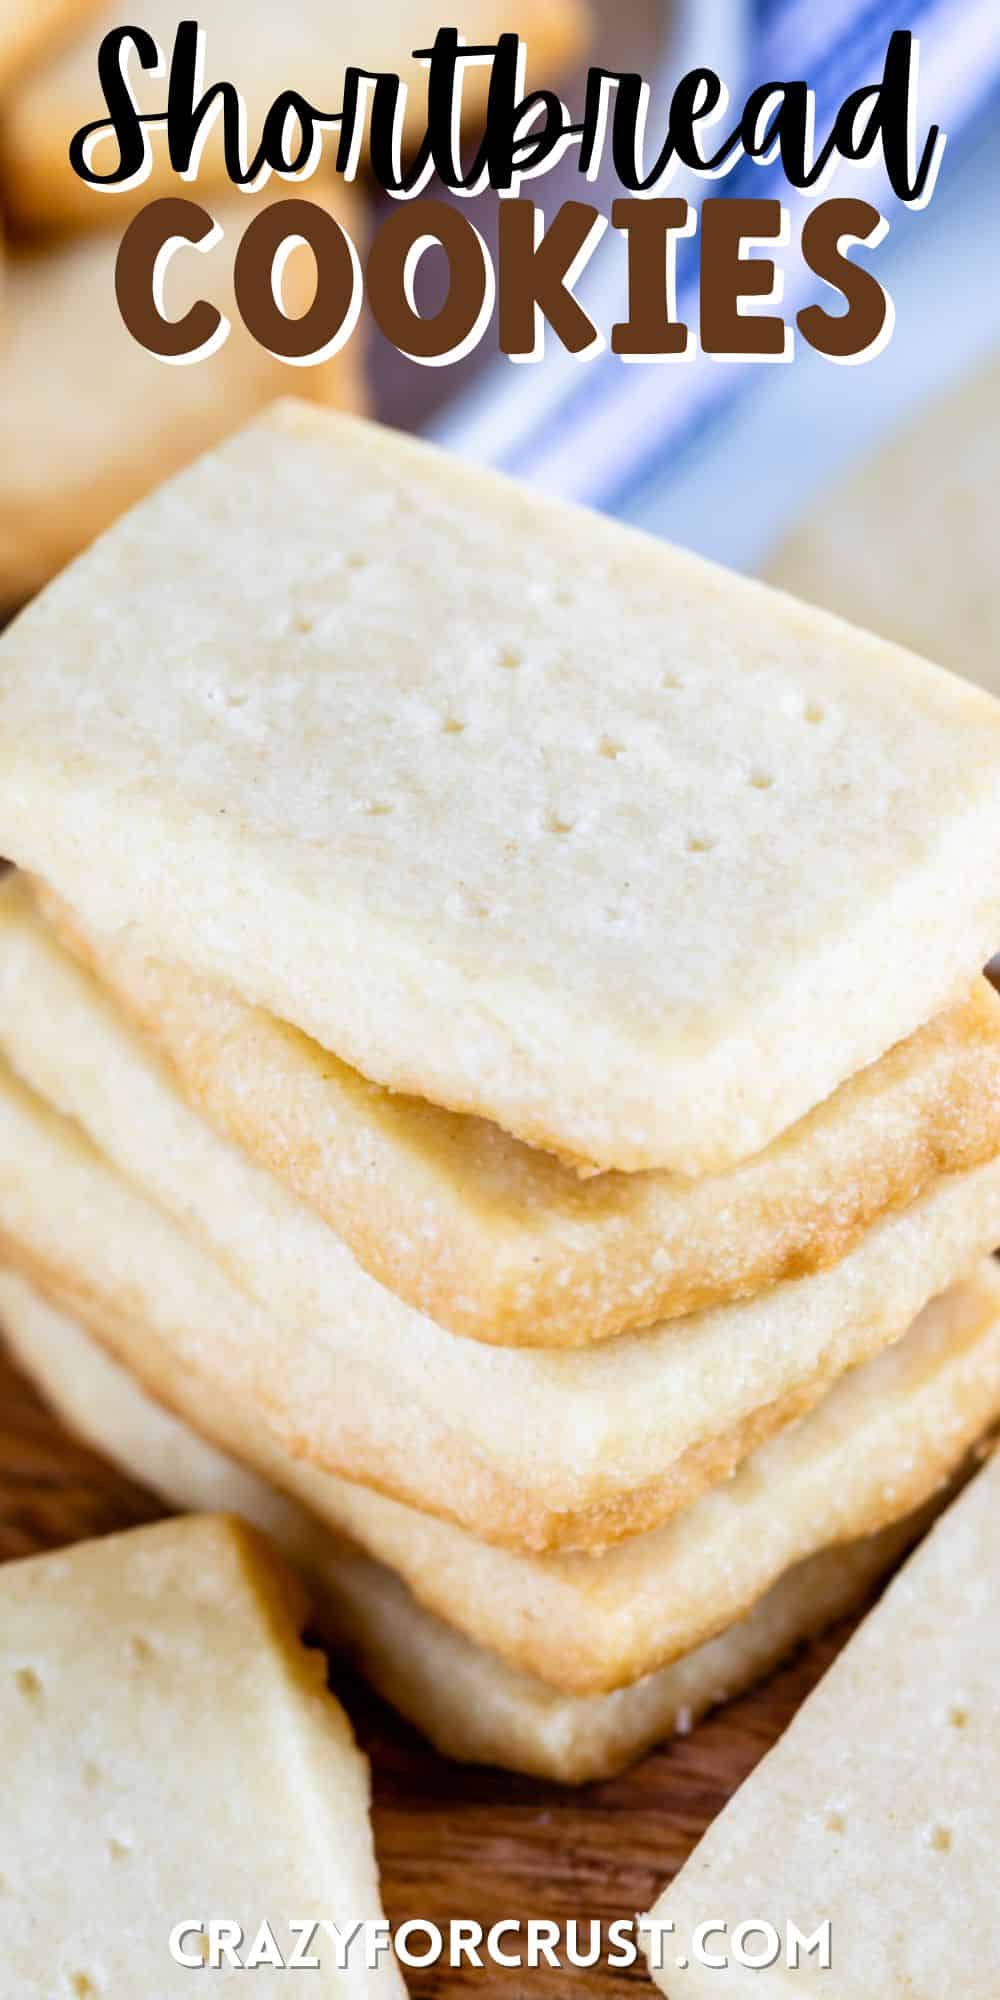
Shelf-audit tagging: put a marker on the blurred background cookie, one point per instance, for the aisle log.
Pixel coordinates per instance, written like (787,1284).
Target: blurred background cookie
(27,28)
(308,45)
(90,420)
(908,545)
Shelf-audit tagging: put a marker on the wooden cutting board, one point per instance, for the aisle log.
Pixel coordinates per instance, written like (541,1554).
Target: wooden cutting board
(454,1842)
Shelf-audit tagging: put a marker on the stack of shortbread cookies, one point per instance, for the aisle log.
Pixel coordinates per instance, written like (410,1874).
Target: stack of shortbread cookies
(499,1087)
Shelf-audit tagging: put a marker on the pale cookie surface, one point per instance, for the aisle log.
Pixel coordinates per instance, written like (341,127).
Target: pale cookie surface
(90,421)
(522,1446)
(33,28)
(908,545)
(873,1449)
(502,1243)
(170,1749)
(879,1810)
(508,806)
(462,1696)
(263,50)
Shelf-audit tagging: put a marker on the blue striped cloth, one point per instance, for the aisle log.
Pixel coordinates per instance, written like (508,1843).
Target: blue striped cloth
(600,431)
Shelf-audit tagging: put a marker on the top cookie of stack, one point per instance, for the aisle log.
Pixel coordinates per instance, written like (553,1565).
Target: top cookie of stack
(522,815)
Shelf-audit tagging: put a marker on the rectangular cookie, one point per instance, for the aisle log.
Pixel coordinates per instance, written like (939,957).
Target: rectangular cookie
(306,47)
(877,1447)
(508,806)
(131,1202)
(879,1809)
(502,1243)
(471,1705)
(170,1752)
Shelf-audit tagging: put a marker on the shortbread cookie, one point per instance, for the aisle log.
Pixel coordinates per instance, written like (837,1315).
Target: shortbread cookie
(90,421)
(170,1753)
(471,1705)
(306,47)
(506,805)
(879,1810)
(532,1448)
(30,29)
(874,1449)
(908,544)
(500,1242)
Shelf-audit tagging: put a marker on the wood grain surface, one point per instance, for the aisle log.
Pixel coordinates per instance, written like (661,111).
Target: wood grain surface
(454,1842)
